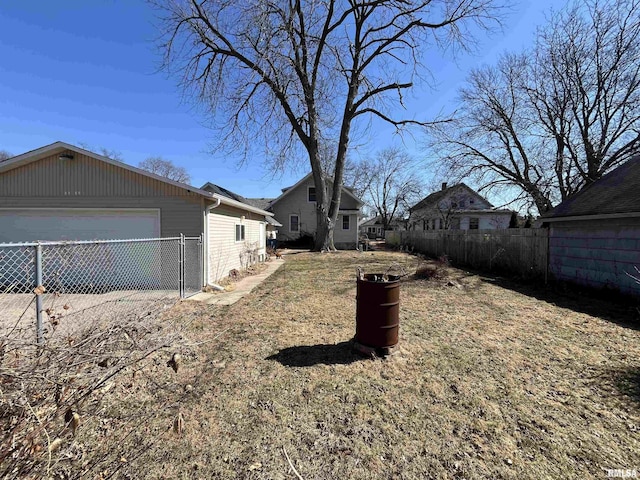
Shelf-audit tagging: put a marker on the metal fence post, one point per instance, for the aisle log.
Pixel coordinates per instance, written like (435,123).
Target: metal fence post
(201,260)
(181,265)
(38,282)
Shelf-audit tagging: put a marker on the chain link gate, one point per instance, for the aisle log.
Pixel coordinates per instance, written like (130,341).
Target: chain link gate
(62,285)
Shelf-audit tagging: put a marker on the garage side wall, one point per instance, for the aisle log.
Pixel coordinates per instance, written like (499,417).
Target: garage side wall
(84,182)
(596,253)
(224,252)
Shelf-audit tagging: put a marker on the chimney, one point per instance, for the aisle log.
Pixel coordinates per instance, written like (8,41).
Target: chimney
(444,185)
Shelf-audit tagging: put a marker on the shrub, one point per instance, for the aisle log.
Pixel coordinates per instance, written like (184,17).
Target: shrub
(429,271)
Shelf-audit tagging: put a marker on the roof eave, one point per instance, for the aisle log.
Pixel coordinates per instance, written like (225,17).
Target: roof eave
(599,216)
(234,203)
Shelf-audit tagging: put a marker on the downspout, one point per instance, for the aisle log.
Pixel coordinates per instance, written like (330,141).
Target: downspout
(205,247)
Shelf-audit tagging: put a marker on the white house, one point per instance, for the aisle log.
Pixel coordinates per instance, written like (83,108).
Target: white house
(457,208)
(374,227)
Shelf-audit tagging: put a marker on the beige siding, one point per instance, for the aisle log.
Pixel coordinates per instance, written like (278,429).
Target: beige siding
(85,182)
(224,253)
(82,176)
(346,238)
(297,203)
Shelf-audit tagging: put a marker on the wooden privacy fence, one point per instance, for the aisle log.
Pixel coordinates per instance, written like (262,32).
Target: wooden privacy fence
(519,251)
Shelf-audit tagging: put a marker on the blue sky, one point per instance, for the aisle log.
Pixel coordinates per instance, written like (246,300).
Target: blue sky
(87,72)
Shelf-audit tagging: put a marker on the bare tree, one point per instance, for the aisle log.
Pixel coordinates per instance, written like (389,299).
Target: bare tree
(358,174)
(104,151)
(394,185)
(551,121)
(301,72)
(4,155)
(165,168)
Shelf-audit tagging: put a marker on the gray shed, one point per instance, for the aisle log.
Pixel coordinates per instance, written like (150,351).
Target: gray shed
(594,236)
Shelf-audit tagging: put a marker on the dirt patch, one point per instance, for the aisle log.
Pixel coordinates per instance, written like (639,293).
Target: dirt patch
(488,382)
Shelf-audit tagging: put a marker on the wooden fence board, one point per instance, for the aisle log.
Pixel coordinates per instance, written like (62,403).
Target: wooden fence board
(519,251)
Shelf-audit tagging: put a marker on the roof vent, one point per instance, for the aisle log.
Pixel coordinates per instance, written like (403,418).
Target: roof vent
(65,156)
(444,185)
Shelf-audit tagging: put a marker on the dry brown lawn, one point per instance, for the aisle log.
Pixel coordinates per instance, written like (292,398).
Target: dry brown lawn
(491,379)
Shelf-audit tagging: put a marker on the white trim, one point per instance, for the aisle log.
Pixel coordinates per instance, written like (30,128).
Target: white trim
(234,203)
(348,217)
(294,215)
(600,216)
(309,187)
(243,232)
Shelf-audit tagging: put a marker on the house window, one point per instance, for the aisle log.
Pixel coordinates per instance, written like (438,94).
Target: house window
(474,223)
(345,222)
(455,224)
(311,194)
(239,233)
(294,223)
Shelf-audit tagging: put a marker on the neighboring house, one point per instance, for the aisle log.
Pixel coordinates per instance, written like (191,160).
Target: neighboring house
(272,224)
(296,210)
(63,192)
(374,227)
(594,235)
(457,208)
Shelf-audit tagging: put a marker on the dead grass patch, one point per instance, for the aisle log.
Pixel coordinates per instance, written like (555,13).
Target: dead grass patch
(488,382)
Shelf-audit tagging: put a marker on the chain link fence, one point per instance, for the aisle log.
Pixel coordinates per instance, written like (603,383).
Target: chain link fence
(54,288)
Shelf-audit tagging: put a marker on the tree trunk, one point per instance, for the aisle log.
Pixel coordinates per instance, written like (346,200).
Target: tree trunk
(324,232)
(323,240)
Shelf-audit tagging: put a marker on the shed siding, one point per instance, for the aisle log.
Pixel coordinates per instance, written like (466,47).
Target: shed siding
(596,253)
(225,254)
(85,182)
(296,203)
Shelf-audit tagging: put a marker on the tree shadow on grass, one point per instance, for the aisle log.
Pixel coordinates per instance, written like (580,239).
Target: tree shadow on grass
(323,354)
(627,382)
(606,305)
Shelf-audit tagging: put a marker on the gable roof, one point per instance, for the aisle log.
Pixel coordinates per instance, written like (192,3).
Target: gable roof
(60,147)
(263,203)
(617,192)
(287,190)
(213,188)
(377,220)
(435,197)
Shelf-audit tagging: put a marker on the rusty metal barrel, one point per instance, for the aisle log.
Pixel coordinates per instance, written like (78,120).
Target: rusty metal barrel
(378,310)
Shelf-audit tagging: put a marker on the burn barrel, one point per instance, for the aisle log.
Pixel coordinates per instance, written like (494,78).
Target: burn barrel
(378,310)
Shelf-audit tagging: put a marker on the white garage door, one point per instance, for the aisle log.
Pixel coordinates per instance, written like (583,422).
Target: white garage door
(28,225)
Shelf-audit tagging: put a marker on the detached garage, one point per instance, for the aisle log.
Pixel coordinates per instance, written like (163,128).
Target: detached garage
(594,235)
(62,192)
